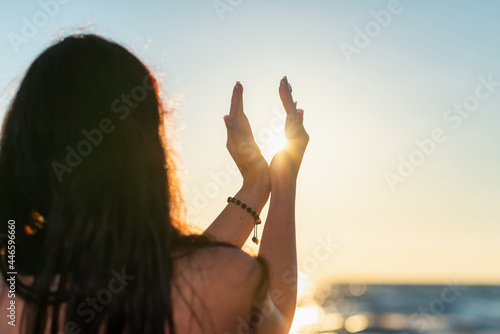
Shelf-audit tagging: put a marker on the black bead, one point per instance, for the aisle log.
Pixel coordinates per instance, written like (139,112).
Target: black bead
(249,209)
(243,205)
(238,202)
(254,213)
(229,199)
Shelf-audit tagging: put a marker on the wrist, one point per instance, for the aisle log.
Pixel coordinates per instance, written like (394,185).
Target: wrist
(256,191)
(283,179)
(284,189)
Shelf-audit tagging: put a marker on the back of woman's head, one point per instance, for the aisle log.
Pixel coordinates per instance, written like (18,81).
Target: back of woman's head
(83,145)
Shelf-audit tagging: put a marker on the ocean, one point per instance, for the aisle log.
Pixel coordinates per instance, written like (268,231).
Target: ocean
(404,309)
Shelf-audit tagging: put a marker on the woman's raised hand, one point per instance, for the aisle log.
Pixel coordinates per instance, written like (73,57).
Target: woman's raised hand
(286,163)
(241,144)
(278,246)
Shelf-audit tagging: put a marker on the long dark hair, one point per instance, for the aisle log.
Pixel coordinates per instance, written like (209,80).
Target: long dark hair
(83,145)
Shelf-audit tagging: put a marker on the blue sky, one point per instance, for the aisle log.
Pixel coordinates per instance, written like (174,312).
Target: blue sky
(365,113)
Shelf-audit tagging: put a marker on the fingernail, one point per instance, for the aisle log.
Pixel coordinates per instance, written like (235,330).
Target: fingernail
(228,121)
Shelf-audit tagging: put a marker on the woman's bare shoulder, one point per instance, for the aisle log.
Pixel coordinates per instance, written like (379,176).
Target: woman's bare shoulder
(219,266)
(218,284)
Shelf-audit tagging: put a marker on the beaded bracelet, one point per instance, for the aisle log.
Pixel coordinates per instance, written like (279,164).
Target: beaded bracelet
(254,214)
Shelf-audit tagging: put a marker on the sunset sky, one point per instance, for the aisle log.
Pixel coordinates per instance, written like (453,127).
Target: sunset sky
(400,182)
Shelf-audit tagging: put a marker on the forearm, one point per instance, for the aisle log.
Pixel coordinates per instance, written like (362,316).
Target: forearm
(278,247)
(234,225)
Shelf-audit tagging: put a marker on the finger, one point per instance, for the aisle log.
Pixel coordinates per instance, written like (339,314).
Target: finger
(300,116)
(246,129)
(237,112)
(233,131)
(303,137)
(294,126)
(286,97)
(236,102)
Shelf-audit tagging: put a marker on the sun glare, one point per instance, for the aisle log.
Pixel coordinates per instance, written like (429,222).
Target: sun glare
(275,144)
(305,316)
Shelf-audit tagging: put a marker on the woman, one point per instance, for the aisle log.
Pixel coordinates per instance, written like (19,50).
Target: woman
(90,207)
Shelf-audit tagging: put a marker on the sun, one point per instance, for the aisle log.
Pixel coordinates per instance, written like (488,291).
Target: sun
(275,144)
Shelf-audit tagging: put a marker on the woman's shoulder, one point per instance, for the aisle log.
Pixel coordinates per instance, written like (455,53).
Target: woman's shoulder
(222,264)
(219,283)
